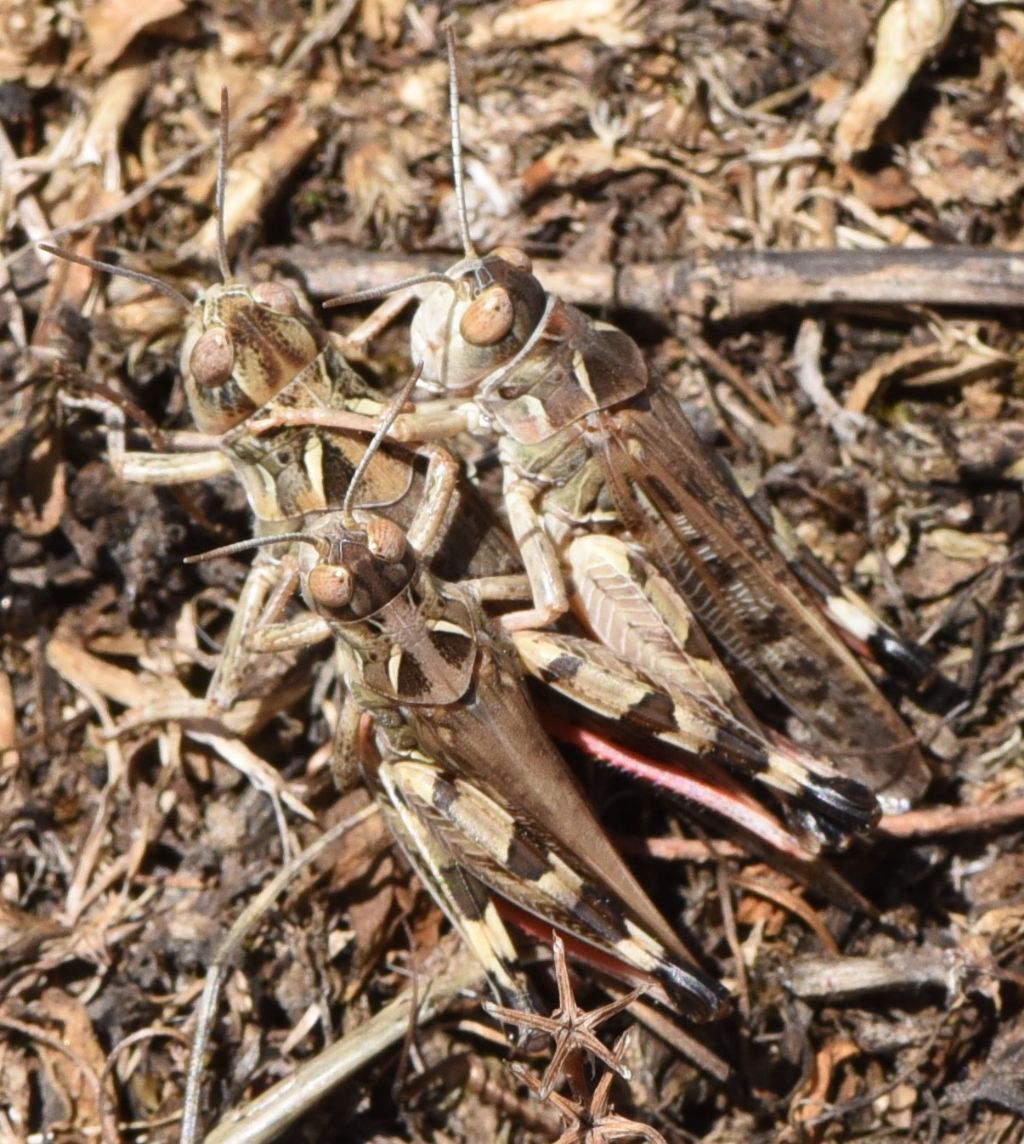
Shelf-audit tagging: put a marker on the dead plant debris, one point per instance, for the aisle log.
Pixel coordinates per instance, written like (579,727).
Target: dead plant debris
(734,161)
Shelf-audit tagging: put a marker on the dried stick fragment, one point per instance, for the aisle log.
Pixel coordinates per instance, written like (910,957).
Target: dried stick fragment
(810,376)
(831,977)
(687,1046)
(723,286)
(952,819)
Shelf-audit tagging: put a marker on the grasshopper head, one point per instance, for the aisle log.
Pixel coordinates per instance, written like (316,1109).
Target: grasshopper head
(358,572)
(415,640)
(244,344)
(476,320)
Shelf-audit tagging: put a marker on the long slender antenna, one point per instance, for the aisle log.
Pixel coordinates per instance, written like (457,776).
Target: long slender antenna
(119,272)
(319,542)
(375,292)
(222,169)
(457,171)
(394,409)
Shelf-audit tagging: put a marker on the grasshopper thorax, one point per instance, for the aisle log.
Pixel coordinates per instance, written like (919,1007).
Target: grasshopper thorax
(243,345)
(484,312)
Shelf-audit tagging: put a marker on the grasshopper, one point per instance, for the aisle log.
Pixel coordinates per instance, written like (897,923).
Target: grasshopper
(250,350)
(592,444)
(249,356)
(473,789)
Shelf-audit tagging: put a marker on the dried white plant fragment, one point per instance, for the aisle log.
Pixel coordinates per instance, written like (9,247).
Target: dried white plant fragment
(616,23)
(909,32)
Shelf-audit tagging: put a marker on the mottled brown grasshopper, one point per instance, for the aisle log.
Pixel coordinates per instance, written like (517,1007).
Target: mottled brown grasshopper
(251,353)
(513,820)
(251,356)
(591,443)
(251,350)
(475,792)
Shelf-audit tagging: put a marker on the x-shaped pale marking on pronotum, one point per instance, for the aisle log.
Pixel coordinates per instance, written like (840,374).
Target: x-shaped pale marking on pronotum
(594,1123)
(570,1027)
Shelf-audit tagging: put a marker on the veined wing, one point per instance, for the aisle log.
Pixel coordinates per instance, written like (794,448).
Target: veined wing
(681,506)
(658,670)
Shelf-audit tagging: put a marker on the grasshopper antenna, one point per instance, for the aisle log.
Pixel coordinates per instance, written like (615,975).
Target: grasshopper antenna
(470,251)
(375,442)
(375,292)
(318,542)
(457,168)
(222,169)
(119,272)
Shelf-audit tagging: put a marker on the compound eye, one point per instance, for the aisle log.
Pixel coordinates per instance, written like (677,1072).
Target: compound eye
(385,539)
(212,359)
(514,257)
(330,586)
(489,317)
(276,297)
